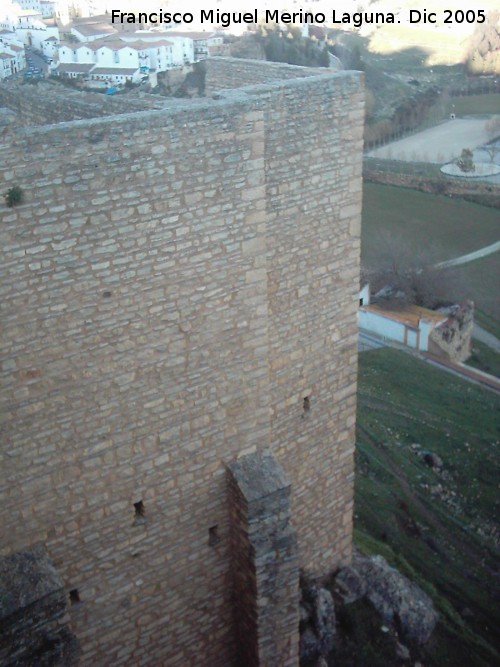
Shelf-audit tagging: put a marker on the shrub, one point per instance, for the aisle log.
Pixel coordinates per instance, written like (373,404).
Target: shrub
(465,162)
(14,196)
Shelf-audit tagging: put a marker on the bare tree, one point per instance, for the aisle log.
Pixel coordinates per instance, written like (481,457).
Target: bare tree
(492,128)
(406,275)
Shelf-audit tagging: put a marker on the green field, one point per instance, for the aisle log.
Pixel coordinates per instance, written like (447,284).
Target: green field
(440,226)
(433,228)
(436,525)
(484,358)
(479,278)
(475,104)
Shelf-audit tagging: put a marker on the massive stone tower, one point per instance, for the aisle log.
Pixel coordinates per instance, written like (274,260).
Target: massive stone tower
(179,291)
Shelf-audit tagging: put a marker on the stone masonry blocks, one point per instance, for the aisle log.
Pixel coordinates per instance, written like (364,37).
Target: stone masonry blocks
(177,283)
(265,563)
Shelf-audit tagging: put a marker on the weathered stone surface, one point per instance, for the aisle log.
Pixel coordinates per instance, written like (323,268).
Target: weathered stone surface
(396,598)
(142,360)
(452,339)
(32,613)
(350,584)
(432,460)
(317,622)
(265,563)
(25,578)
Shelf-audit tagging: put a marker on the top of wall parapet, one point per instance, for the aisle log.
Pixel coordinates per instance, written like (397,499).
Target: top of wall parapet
(243,96)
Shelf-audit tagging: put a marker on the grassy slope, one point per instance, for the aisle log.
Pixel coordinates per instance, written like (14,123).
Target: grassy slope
(480,278)
(441,539)
(484,358)
(448,227)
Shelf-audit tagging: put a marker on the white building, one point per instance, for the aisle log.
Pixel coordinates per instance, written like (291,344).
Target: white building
(50,47)
(182,47)
(410,326)
(115,75)
(10,45)
(134,60)
(7,63)
(202,41)
(27,25)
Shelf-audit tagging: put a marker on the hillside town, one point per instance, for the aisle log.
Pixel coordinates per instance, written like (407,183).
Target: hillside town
(40,38)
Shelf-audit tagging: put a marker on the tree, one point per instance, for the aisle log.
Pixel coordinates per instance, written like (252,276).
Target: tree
(465,162)
(484,46)
(411,276)
(493,133)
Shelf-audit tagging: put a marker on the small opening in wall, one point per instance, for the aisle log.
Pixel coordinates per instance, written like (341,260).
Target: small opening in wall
(107,294)
(213,536)
(306,404)
(140,510)
(140,513)
(74,596)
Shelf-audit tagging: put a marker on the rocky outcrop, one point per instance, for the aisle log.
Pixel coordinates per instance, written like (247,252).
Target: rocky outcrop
(374,610)
(398,600)
(317,619)
(33,618)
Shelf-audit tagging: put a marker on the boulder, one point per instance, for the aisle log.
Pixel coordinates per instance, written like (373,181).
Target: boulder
(397,599)
(318,617)
(432,460)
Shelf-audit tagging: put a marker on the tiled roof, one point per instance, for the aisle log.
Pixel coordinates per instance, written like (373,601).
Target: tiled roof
(192,35)
(411,315)
(164,34)
(126,71)
(80,68)
(94,29)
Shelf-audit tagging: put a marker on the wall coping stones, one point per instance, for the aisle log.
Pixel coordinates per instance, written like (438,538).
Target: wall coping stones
(258,475)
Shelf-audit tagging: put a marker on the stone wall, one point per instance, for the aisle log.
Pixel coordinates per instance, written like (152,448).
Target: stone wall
(179,288)
(225,73)
(33,613)
(452,340)
(45,103)
(265,564)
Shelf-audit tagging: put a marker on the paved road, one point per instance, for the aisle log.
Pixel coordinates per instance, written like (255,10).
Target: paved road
(486,337)
(471,256)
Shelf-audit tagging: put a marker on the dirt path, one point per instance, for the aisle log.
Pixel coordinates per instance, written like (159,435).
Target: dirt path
(486,337)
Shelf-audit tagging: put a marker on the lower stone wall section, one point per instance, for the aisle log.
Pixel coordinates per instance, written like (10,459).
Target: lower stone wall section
(46,103)
(452,340)
(33,618)
(265,564)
